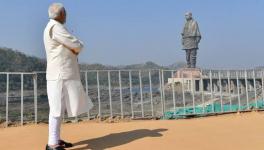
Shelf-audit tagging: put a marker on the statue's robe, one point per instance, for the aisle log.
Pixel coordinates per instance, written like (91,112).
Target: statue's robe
(191,35)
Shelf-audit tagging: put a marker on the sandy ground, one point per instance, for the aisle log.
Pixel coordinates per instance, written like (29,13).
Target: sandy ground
(226,132)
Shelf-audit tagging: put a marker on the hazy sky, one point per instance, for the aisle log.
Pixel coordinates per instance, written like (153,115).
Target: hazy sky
(123,32)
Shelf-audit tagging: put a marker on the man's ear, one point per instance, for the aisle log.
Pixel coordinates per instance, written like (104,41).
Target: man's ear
(61,15)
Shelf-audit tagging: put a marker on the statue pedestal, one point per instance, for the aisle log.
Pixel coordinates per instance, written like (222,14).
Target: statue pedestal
(188,77)
(188,73)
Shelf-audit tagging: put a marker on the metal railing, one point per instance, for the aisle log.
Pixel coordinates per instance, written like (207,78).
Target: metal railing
(133,93)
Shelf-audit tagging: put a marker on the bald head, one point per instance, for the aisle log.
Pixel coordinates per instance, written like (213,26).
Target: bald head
(57,12)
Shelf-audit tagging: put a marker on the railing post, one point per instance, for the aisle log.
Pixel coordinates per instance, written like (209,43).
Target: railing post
(202,86)
(22,100)
(131,94)
(211,88)
(151,95)
(35,78)
(246,82)
(255,88)
(7,96)
(141,93)
(98,94)
(192,90)
(161,93)
(110,94)
(229,90)
(120,92)
(87,91)
(173,93)
(262,85)
(221,96)
(238,92)
(183,95)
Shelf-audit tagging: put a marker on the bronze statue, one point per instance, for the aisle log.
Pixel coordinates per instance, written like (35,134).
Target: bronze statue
(190,39)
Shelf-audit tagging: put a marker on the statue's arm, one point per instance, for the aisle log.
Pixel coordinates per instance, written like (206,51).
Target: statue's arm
(198,39)
(197,33)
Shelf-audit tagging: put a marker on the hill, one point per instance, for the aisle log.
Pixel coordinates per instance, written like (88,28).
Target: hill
(15,61)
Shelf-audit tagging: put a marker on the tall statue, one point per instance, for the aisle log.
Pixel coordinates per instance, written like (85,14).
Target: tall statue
(190,39)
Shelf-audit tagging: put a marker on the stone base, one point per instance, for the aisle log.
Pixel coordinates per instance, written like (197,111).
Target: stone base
(188,73)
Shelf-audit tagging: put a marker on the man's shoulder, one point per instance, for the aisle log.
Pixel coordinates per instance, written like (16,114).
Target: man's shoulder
(52,23)
(55,23)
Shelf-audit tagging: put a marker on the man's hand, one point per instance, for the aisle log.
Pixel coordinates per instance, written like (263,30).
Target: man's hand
(74,52)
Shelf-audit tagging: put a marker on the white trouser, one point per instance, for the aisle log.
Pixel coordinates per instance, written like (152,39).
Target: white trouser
(54,130)
(64,94)
(55,122)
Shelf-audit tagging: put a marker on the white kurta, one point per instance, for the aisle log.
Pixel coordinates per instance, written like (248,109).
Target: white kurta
(67,94)
(63,75)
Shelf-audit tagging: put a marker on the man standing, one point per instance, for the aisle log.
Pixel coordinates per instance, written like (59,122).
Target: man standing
(190,39)
(64,87)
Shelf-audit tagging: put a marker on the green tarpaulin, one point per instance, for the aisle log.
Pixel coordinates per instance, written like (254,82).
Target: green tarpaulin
(209,109)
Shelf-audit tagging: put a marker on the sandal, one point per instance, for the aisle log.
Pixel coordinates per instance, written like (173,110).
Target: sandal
(55,148)
(65,144)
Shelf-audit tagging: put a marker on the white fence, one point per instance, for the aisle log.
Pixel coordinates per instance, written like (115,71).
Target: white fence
(133,93)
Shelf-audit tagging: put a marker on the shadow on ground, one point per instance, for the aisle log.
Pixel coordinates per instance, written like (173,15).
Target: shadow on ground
(117,139)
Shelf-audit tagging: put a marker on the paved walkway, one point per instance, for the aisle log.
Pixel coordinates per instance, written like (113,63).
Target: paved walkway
(226,132)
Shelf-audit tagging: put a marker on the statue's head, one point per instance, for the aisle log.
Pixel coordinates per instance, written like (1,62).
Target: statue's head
(188,16)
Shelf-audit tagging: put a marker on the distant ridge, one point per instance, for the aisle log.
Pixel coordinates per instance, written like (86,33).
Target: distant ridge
(15,61)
